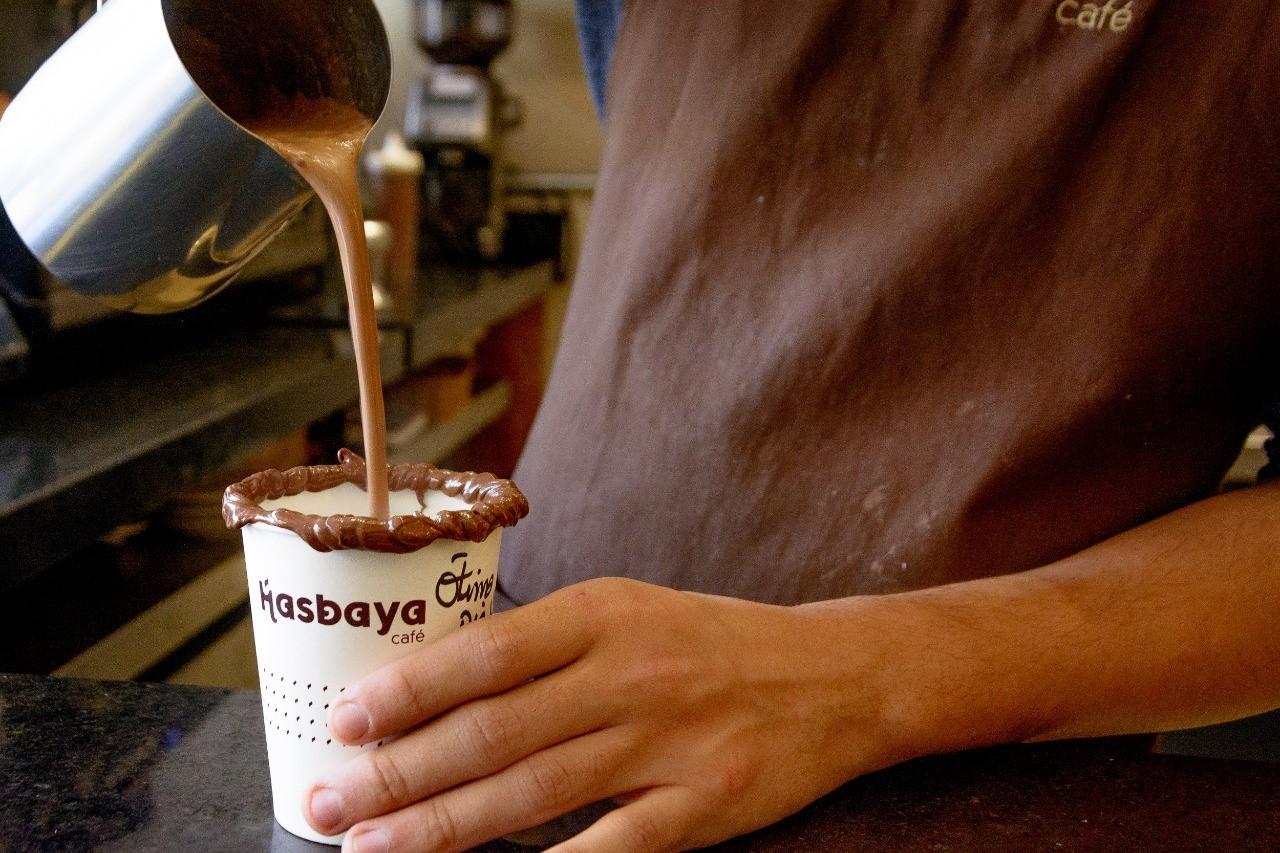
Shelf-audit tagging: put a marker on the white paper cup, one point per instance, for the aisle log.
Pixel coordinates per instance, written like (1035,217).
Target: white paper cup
(323,620)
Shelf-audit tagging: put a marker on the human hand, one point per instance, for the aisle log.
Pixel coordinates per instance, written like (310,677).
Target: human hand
(703,717)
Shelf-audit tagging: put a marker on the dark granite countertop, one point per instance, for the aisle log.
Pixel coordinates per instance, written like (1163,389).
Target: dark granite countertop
(136,767)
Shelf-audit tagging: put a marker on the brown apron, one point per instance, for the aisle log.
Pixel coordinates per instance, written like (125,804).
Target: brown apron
(882,295)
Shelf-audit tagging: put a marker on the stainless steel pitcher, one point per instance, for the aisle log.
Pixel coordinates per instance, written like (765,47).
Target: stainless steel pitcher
(121,165)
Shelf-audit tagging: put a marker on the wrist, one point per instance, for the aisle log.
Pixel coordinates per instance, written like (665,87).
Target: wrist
(943,670)
(866,663)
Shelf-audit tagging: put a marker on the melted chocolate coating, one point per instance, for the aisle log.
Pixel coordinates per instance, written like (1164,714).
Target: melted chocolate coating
(495,503)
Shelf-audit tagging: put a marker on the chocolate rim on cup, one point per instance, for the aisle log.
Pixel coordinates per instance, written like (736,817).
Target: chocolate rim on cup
(494,503)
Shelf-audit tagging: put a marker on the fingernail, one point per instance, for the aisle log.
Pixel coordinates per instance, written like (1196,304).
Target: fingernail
(349,721)
(371,841)
(326,807)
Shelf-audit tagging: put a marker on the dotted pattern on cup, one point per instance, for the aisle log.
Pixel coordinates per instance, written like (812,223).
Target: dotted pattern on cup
(299,709)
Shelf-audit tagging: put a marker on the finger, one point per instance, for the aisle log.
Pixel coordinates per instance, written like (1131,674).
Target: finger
(481,659)
(541,787)
(470,742)
(659,821)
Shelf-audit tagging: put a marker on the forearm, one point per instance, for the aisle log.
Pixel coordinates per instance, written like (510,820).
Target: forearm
(714,716)
(1174,624)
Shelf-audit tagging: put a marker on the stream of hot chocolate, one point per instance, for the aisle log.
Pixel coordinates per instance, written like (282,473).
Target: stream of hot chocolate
(323,139)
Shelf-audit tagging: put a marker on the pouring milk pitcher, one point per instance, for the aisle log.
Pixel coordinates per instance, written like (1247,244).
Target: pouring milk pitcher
(122,165)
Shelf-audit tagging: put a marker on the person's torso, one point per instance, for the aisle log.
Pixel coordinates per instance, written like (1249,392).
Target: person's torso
(882,295)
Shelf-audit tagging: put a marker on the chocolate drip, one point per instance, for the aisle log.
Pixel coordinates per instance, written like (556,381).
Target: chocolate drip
(495,503)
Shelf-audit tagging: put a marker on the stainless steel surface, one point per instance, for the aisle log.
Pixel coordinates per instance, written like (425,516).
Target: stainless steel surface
(304,244)
(133,185)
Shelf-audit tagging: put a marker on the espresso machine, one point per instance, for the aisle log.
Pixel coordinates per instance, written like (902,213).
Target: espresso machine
(457,117)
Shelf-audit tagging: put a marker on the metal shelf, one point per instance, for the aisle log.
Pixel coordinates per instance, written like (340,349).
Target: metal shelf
(438,442)
(82,457)
(79,459)
(443,324)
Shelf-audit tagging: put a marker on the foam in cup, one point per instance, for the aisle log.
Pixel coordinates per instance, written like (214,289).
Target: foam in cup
(350,499)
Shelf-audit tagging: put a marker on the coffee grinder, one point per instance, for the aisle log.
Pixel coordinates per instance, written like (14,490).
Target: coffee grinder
(457,117)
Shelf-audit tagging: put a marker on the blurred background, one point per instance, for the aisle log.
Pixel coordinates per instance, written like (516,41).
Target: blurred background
(119,432)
